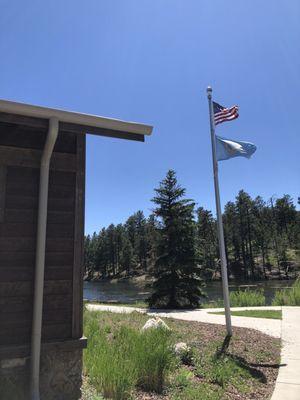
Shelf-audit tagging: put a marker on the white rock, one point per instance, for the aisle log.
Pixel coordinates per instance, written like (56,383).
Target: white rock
(155,323)
(181,348)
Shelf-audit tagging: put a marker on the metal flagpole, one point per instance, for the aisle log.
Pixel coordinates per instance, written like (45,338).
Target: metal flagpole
(219,217)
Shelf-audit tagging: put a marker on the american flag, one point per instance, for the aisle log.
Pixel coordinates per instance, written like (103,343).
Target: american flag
(222,114)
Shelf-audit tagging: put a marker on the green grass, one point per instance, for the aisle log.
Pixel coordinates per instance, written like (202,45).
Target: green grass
(272,314)
(288,297)
(122,363)
(247,298)
(121,359)
(241,298)
(223,369)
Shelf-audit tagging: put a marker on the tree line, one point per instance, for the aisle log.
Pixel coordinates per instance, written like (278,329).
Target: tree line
(262,239)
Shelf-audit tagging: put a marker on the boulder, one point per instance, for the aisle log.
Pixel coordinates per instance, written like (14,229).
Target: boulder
(155,323)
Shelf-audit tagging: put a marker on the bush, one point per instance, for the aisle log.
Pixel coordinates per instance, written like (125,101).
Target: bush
(288,297)
(247,298)
(118,362)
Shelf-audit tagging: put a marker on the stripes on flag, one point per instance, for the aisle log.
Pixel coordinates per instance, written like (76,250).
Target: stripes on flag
(222,114)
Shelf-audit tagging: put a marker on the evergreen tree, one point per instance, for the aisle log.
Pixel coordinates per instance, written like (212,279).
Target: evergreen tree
(206,242)
(176,274)
(141,239)
(233,240)
(244,206)
(262,233)
(89,257)
(152,234)
(101,256)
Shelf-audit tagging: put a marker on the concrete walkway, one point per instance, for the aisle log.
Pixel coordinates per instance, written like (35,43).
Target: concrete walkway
(288,380)
(270,327)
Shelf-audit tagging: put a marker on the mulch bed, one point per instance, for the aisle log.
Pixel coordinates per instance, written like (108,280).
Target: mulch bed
(258,353)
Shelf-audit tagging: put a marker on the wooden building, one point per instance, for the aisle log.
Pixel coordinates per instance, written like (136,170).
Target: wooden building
(44,270)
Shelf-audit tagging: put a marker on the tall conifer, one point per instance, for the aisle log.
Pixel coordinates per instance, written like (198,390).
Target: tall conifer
(176,274)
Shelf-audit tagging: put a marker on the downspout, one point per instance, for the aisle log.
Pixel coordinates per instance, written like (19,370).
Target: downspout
(40,260)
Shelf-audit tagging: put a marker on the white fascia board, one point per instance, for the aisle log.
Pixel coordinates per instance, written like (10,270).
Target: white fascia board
(74,117)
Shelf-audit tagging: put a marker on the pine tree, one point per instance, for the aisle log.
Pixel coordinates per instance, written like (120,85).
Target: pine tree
(176,274)
(244,206)
(206,241)
(141,240)
(262,233)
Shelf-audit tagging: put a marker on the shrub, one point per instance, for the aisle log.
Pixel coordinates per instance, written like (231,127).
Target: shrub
(288,297)
(247,298)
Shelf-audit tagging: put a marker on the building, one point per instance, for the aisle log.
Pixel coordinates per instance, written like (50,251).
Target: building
(42,186)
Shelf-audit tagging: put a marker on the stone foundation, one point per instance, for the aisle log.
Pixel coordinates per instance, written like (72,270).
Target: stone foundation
(60,379)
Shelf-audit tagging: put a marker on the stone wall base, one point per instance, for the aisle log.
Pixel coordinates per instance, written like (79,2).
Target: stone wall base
(60,379)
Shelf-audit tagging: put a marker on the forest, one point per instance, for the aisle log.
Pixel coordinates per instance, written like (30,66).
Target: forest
(262,238)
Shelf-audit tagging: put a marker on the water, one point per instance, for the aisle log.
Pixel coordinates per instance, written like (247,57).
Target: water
(128,291)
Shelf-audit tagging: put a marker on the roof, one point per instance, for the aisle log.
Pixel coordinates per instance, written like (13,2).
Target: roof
(73,121)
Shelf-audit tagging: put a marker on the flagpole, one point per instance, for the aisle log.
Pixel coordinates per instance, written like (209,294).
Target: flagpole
(219,217)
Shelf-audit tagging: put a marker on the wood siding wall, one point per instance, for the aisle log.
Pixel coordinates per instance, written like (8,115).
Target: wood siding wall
(19,185)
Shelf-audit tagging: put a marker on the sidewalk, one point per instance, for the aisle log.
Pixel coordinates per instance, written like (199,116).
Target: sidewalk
(288,380)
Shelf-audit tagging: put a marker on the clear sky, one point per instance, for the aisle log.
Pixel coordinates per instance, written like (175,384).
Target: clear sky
(150,61)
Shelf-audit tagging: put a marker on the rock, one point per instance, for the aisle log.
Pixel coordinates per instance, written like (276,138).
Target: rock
(184,352)
(155,323)
(180,348)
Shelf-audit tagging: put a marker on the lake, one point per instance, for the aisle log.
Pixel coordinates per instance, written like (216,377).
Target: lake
(129,291)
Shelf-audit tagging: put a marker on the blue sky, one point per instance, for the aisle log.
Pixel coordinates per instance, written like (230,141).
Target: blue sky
(150,61)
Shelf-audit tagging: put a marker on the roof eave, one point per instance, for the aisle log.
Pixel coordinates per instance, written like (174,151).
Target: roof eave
(75,121)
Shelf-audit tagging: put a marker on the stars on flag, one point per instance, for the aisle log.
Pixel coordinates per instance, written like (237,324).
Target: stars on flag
(222,114)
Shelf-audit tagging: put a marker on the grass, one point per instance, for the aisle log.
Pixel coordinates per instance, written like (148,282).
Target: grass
(122,363)
(272,314)
(241,298)
(119,360)
(88,391)
(288,297)
(247,298)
